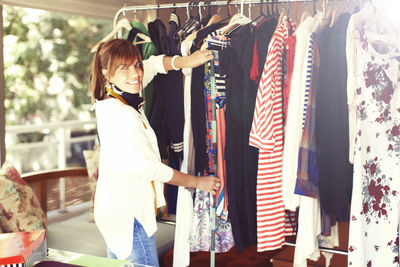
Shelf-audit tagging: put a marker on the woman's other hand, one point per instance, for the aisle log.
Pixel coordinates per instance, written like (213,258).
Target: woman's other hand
(198,58)
(194,60)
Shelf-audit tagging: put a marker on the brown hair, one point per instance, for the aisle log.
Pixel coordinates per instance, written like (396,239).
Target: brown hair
(110,56)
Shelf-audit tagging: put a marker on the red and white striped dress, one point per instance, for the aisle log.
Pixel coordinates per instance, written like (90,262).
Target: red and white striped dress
(267,135)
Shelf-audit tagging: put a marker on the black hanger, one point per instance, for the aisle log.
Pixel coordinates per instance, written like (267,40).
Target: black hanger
(269,10)
(132,34)
(194,25)
(205,20)
(261,13)
(188,24)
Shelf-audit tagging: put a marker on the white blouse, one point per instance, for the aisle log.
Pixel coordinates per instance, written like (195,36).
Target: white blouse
(129,161)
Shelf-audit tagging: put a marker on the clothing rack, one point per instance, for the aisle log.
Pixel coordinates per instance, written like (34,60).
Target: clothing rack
(203,4)
(189,5)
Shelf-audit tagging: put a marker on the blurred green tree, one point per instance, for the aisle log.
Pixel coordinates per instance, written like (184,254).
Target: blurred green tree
(46,64)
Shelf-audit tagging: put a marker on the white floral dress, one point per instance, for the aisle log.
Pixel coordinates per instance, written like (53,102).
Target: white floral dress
(374,224)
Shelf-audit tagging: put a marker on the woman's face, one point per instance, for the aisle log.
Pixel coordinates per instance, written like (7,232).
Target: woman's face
(128,78)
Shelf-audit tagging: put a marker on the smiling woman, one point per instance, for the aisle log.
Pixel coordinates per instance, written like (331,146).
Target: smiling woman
(130,167)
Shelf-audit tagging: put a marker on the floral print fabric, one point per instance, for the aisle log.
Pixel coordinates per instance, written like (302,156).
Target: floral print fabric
(19,207)
(201,231)
(374,223)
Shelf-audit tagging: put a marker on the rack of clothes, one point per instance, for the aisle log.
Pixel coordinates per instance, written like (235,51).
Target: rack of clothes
(282,116)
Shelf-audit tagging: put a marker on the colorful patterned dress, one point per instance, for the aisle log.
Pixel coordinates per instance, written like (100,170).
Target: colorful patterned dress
(201,231)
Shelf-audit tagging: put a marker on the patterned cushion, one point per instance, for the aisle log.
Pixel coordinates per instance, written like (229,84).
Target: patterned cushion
(19,207)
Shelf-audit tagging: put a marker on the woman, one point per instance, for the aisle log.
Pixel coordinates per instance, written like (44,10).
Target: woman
(131,174)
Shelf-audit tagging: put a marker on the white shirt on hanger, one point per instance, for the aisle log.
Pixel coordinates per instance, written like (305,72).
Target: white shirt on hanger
(184,205)
(293,129)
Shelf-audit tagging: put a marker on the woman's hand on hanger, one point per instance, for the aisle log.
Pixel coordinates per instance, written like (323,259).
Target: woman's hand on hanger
(209,184)
(206,183)
(194,60)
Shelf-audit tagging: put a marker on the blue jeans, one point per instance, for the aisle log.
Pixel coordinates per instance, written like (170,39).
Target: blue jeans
(144,250)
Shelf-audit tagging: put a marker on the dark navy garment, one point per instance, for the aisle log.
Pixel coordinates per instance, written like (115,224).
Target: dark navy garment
(335,171)
(159,37)
(167,118)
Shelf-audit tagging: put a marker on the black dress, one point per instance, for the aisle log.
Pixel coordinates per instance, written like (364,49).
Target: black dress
(241,159)
(335,171)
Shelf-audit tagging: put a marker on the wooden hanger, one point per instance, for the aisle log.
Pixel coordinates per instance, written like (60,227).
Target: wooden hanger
(333,17)
(281,15)
(236,20)
(304,15)
(122,24)
(214,19)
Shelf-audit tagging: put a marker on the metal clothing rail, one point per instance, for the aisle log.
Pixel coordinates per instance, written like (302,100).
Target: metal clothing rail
(203,4)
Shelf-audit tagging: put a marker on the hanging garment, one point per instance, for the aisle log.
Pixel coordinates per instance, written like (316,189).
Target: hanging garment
(197,104)
(219,102)
(294,117)
(167,111)
(241,159)
(310,226)
(263,34)
(201,239)
(374,224)
(184,208)
(267,135)
(335,172)
(309,219)
(307,170)
(352,43)
(221,196)
(290,48)
(159,37)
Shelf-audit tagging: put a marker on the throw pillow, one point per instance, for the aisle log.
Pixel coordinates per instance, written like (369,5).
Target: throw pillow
(19,207)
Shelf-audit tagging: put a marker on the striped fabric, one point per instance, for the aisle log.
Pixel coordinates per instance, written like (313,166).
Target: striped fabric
(267,135)
(308,70)
(307,168)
